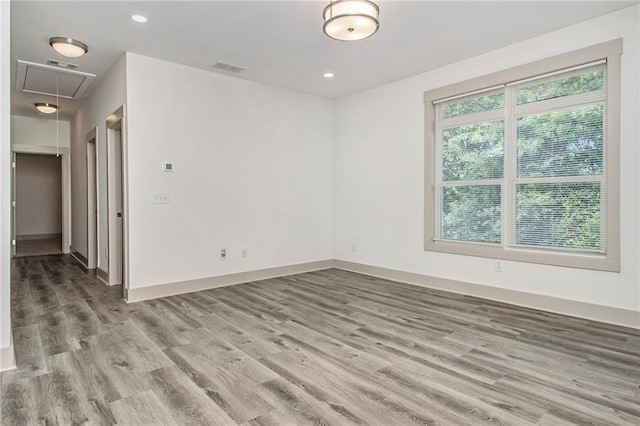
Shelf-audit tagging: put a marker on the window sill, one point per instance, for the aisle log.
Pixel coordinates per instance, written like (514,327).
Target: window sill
(598,262)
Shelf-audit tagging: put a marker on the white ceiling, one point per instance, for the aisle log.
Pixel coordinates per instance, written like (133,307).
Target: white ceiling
(281,42)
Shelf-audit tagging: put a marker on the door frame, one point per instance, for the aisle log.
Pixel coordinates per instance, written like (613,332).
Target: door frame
(115,121)
(93,223)
(14,162)
(66,188)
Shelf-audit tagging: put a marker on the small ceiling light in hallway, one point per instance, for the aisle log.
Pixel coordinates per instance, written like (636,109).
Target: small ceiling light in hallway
(139,18)
(68,47)
(46,107)
(349,20)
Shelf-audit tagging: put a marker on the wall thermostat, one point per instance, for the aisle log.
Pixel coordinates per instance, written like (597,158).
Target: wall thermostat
(167,166)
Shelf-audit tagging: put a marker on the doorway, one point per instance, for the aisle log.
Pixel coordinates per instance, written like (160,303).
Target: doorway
(63,154)
(38,216)
(116,196)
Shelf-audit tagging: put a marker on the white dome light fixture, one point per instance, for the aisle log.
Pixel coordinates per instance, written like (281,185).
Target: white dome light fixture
(350,20)
(68,47)
(46,107)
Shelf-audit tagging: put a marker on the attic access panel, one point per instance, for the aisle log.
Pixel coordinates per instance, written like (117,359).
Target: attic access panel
(41,79)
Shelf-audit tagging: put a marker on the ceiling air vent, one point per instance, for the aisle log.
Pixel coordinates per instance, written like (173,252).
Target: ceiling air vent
(227,67)
(61,64)
(49,80)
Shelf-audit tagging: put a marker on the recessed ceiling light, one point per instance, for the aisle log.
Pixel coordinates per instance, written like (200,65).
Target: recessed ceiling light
(328,75)
(139,18)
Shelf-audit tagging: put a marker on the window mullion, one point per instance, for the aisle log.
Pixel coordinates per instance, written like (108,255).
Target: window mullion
(510,166)
(472,118)
(474,182)
(566,102)
(560,179)
(437,178)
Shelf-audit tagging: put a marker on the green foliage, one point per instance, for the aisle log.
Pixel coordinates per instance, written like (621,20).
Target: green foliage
(563,87)
(473,152)
(471,213)
(561,143)
(559,214)
(477,104)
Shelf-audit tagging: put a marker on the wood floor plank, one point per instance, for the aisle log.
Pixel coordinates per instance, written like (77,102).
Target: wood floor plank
(144,408)
(298,406)
(215,348)
(83,322)
(231,392)
(310,339)
(75,400)
(258,325)
(163,332)
(192,304)
(354,400)
(42,292)
(27,401)
(55,334)
(326,347)
(30,356)
(238,337)
(124,344)
(187,403)
(567,402)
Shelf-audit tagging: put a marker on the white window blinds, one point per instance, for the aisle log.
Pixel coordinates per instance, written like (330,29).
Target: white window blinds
(523,165)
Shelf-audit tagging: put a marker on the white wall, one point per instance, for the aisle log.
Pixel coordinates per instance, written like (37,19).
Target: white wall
(106,98)
(6,352)
(38,195)
(38,131)
(379,171)
(253,168)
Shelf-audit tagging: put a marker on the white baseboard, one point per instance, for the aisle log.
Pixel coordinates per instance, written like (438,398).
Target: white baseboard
(591,311)
(181,287)
(80,258)
(102,276)
(7,357)
(28,237)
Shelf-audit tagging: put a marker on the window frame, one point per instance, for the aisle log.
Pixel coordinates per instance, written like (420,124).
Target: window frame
(607,261)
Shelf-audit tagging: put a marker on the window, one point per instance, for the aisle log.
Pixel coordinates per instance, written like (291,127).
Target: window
(523,164)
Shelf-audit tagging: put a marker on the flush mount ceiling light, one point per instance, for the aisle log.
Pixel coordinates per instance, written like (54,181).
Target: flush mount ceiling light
(68,47)
(328,75)
(349,20)
(46,107)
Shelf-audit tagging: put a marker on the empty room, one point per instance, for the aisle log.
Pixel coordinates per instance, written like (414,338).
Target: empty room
(366,212)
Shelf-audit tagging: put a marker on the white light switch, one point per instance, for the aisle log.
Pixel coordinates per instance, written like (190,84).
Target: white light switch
(161,198)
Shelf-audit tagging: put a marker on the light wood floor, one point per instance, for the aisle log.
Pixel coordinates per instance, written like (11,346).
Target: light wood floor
(328,347)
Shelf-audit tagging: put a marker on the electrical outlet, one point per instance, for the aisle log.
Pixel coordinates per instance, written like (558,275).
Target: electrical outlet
(354,247)
(106,253)
(161,198)
(223,254)
(498,266)
(244,253)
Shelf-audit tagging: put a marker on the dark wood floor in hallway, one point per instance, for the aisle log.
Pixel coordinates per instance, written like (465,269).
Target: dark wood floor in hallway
(327,347)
